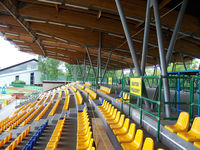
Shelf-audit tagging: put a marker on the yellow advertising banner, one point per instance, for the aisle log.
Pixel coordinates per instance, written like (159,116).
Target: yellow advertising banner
(136,86)
(110,80)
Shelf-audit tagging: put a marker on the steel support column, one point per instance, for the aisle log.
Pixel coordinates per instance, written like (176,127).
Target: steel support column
(130,44)
(80,68)
(99,57)
(128,36)
(84,71)
(105,69)
(146,38)
(175,32)
(161,54)
(91,65)
(87,73)
(182,58)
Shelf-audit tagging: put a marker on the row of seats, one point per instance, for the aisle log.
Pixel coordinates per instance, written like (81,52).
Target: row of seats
(55,137)
(26,106)
(120,126)
(46,108)
(92,94)
(124,96)
(52,112)
(87,84)
(32,115)
(4,121)
(5,140)
(181,128)
(43,111)
(73,89)
(19,109)
(12,121)
(7,123)
(79,98)
(66,104)
(84,133)
(66,91)
(20,120)
(33,104)
(41,100)
(80,86)
(105,90)
(18,139)
(35,137)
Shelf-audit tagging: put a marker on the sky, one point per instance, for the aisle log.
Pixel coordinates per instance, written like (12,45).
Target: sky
(10,54)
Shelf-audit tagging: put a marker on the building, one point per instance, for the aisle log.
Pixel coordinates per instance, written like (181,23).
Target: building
(26,71)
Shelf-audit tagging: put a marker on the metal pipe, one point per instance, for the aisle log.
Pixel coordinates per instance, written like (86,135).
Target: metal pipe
(146,37)
(130,44)
(91,62)
(128,36)
(99,64)
(162,57)
(182,58)
(175,32)
(84,71)
(87,74)
(105,69)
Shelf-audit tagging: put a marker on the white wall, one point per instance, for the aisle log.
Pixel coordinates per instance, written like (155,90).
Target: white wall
(23,75)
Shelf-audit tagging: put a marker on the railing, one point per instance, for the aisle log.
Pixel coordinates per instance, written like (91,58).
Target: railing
(156,114)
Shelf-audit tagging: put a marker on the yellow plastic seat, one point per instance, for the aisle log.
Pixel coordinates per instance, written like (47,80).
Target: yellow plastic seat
(129,136)
(83,145)
(148,144)
(80,142)
(116,120)
(197,144)
(104,107)
(109,112)
(136,144)
(193,135)
(84,132)
(181,125)
(84,137)
(124,128)
(119,124)
(111,117)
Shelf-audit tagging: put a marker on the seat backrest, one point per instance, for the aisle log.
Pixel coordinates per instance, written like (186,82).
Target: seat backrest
(112,109)
(90,144)
(118,116)
(109,107)
(131,130)
(126,124)
(114,113)
(196,126)
(121,121)
(148,144)
(124,95)
(106,106)
(183,121)
(79,97)
(138,138)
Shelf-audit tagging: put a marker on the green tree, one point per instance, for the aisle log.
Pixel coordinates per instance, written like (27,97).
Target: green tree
(48,68)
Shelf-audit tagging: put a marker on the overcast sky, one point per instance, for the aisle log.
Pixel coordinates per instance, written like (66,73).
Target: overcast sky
(10,55)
